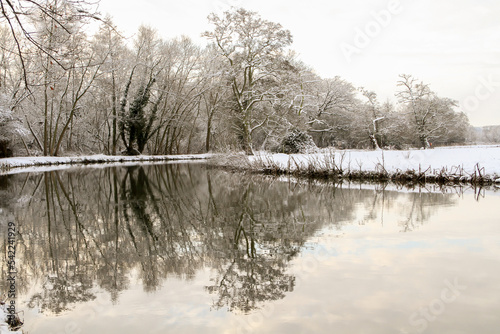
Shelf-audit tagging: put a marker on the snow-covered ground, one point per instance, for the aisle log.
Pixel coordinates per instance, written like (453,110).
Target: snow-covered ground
(463,159)
(466,159)
(4,327)
(39,164)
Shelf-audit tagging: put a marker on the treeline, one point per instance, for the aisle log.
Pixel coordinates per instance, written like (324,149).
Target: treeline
(486,134)
(64,92)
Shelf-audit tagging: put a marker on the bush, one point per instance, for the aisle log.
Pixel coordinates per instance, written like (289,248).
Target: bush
(297,141)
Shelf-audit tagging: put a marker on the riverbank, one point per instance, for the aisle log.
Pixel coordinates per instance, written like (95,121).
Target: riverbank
(4,327)
(466,164)
(478,165)
(38,164)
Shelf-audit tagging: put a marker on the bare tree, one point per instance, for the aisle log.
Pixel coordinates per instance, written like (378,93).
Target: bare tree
(61,85)
(431,114)
(11,96)
(373,114)
(182,83)
(216,92)
(251,47)
(109,46)
(19,13)
(336,102)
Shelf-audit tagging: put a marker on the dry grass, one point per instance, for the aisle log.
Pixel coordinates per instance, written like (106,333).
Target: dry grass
(328,167)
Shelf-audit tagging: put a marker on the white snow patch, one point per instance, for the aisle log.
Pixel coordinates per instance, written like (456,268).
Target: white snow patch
(4,327)
(465,158)
(41,164)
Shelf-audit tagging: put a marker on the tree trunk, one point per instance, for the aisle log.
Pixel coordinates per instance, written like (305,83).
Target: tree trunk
(424,141)
(209,130)
(374,141)
(114,138)
(247,140)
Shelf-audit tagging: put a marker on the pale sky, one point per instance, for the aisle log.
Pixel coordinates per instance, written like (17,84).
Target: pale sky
(452,45)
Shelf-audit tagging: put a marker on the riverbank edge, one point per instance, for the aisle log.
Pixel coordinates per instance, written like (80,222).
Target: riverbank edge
(313,167)
(21,164)
(4,326)
(326,168)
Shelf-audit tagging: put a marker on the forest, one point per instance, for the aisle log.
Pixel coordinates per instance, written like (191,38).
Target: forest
(64,91)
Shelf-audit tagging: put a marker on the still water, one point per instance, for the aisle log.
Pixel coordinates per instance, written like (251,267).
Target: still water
(178,248)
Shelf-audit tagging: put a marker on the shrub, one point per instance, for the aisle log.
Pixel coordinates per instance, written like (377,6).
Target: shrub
(297,141)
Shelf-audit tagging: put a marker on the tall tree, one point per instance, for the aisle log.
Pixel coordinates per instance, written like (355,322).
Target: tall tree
(136,125)
(182,81)
(62,84)
(252,47)
(216,92)
(109,46)
(431,114)
(12,95)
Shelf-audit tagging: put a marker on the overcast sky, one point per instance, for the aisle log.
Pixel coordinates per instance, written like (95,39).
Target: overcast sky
(453,45)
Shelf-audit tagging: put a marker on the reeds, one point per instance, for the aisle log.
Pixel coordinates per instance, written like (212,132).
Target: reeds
(330,166)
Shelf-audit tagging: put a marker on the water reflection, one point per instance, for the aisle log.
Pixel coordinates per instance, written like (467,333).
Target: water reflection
(84,228)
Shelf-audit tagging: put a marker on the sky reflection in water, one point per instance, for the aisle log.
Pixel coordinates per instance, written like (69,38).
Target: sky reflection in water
(181,248)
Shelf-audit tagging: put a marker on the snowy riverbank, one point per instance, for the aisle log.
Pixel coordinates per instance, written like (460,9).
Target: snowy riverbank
(4,327)
(38,164)
(455,164)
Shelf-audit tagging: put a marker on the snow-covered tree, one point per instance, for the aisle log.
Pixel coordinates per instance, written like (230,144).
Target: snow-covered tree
(252,48)
(102,119)
(372,117)
(55,107)
(19,15)
(12,130)
(431,115)
(182,82)
(214,98)
(336,102)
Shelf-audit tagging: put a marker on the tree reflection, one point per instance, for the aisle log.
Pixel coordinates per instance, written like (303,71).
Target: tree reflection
(84,228)
(257,258)
(419,208)
(59,293)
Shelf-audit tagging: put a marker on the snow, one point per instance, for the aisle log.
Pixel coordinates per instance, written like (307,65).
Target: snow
(41,164)
(4,327)
(467,159)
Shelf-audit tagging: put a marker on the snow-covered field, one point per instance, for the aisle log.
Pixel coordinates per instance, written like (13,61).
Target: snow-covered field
(453,160)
